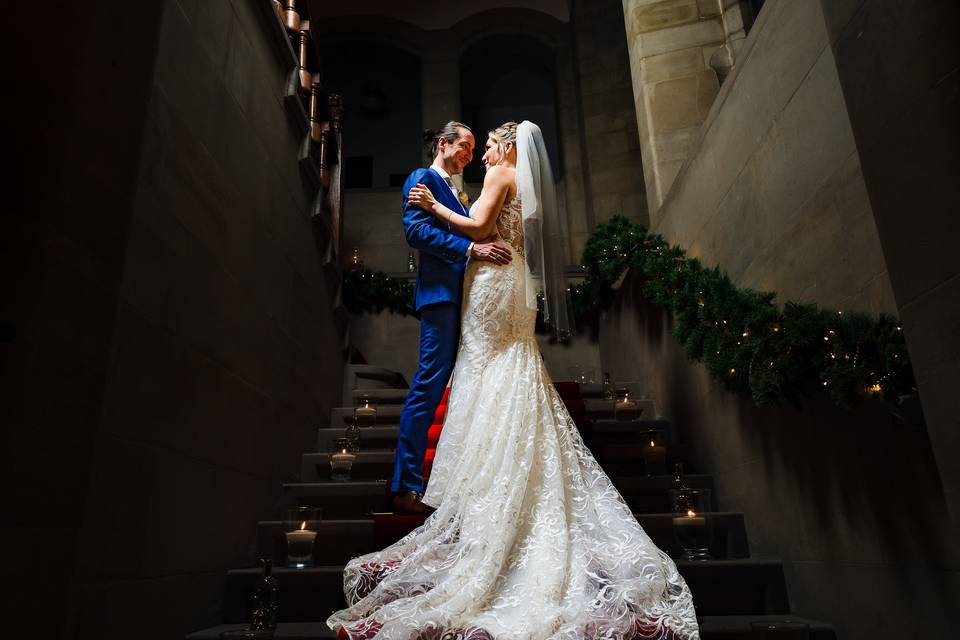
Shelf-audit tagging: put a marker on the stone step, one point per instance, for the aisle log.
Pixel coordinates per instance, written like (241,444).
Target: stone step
(381,396)
(340,540)
(773,627)
(750,586)
(607,429)
(367,376)
(594,390)
(359,498)
(753,627)
(340,500)
(371,464)
(600,432)
(617,459)
(373,438)
(598,408)
(649,494)
(387,415)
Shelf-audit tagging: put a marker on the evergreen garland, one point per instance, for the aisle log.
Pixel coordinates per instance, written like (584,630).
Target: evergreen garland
(747,343)
(373,291)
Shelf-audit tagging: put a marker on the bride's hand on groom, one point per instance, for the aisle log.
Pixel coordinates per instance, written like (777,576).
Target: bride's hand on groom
(421,196)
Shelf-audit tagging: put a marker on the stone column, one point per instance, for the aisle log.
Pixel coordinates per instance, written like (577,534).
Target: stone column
(672,44)
(439,82)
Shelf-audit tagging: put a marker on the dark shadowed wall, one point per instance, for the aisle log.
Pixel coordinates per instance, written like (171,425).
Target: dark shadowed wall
(826,172)
(175,343)
(849,500)
(899,66)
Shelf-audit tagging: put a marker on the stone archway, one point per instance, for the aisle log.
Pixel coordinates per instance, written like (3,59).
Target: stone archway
(506,77)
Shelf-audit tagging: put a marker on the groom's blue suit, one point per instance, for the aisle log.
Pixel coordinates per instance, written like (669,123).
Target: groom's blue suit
(443,256)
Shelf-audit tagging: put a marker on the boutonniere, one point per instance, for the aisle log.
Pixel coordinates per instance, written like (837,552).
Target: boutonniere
(464,199)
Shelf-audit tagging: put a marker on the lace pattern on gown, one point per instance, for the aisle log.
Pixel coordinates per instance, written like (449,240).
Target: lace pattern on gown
(530,539)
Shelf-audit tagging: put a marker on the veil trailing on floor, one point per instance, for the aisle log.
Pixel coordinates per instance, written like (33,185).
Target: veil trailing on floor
(544,230)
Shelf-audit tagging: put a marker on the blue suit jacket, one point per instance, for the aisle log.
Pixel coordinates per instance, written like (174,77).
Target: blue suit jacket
(443,253)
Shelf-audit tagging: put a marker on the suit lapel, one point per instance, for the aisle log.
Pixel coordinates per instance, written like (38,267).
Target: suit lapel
(449,197)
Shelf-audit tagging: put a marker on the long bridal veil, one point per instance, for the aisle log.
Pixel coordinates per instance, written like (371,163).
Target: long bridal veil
(544,229)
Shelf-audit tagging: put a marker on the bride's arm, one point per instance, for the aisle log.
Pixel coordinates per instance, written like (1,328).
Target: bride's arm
(496,186)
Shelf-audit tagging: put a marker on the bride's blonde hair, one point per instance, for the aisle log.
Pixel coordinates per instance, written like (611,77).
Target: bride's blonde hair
(507,132)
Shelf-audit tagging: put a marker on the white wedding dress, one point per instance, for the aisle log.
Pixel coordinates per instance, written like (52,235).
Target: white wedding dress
(529,540)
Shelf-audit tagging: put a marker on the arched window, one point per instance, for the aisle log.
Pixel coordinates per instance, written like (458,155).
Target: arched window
(508,77)
(380,84)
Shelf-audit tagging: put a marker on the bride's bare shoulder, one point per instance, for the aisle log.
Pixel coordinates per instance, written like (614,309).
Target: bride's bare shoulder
(499,174)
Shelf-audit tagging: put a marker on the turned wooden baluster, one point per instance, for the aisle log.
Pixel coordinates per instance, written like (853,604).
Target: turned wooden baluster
(291,17)
(319,132)
(315,109)
(302,58)
(335,106)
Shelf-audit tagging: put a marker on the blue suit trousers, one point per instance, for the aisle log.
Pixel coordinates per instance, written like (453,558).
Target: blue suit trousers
(439,341)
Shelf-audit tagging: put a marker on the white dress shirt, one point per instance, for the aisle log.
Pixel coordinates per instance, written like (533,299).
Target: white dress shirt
(453,189)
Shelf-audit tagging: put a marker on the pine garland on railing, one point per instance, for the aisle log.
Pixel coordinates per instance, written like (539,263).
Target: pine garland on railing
(373,291)
(748,344)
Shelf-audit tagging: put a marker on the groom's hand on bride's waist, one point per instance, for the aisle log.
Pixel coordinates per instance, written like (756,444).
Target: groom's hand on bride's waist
(489,252)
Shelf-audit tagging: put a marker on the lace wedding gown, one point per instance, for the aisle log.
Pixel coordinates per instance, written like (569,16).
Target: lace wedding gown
(529,540)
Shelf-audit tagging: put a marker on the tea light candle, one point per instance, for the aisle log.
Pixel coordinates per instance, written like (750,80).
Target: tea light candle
(654,453)
(342,461)
(689,520)
(625,408)
(300,546)
(365,415)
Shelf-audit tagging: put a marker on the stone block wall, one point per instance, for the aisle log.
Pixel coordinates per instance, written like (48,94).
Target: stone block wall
(789,184)
(176,341)
(74,138)
(773,191)
(849,499)
(899,66)
(610,150)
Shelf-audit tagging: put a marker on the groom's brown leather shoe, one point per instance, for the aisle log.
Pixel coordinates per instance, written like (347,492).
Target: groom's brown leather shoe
(409,504)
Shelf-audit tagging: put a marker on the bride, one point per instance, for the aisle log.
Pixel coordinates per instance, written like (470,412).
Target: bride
(529,540)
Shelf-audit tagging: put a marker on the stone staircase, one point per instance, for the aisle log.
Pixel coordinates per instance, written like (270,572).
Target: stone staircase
(737,595)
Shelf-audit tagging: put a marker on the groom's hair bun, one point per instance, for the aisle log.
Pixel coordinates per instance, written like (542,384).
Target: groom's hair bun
(449,132)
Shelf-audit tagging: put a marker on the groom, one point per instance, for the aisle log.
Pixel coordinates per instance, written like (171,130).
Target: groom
(439,287)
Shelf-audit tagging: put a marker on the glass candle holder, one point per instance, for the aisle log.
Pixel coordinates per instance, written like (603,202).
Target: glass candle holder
(653,453)
(341,459)
(301,526)
(365,413)
(352,434)
(692,522)
(607,388)
(626,408)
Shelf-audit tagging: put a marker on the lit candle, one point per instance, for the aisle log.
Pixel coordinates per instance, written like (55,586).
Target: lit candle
(365,415)
(625,408)
(654,453)
(300,546)
(340,464)
(689,520)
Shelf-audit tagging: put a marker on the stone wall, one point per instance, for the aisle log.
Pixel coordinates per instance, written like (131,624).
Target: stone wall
(176,336)
(775,188)
(599,147)
(773,191)
(611,161)
(849,500)
(902,95)
(75,157)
